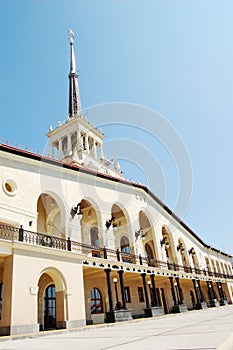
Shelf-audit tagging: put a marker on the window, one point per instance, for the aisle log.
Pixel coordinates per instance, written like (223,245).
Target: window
(127,295)
(96,301)
(140,294)
(0,301)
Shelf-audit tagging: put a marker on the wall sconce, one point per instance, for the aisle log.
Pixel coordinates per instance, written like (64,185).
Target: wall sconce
(165,241)
(181,248)
(141,233)
(111,222)
(76,210)
(192,251)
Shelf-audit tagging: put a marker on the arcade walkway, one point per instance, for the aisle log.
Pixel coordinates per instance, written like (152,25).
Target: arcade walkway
(194,330)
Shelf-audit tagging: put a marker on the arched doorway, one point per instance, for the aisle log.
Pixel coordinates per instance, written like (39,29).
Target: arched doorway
(50,307)
(52,300)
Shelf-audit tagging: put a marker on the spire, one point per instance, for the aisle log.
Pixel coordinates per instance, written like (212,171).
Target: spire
(74,97)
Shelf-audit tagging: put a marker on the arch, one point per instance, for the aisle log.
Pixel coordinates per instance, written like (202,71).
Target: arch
(96,301)
(121,226)
(194,258)
(169,245)
(122,220)
(147,232)
(90,222)
(92,203)
(51,215)
(182,251)
(51,294)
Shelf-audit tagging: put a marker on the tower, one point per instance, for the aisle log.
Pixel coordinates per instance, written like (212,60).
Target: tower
(77,141)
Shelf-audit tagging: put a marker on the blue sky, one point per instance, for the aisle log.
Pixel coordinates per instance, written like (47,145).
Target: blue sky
(174,57)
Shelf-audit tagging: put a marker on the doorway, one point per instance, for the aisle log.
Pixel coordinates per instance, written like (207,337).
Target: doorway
(50,307)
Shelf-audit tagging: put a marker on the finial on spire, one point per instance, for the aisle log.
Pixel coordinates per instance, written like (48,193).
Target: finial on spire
(74,97)
(71,36)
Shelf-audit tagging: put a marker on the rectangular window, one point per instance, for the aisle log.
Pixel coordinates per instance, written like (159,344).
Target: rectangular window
(127,295)
(140,294)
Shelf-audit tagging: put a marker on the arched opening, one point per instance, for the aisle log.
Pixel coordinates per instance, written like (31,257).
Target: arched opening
(90,227)
(168,244)
(51,300)
(49,216)
(96,302)
(120,229)
(194,259)
(147,238)
(182,251)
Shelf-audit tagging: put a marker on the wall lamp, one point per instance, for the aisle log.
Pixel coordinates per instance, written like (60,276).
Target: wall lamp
(111,222)
(165,241)
(181,248)
(141,233)
(76,210)
(192,251)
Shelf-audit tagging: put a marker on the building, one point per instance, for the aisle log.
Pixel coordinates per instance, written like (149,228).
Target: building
(80,244)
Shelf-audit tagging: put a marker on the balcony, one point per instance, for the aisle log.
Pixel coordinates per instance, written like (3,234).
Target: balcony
(13,234)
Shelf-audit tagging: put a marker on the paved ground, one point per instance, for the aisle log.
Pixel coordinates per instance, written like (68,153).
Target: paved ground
(195,330)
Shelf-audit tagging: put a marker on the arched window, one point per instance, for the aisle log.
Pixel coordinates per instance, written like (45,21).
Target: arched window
(149,251)
(96,301)
(94,237)
(125,248)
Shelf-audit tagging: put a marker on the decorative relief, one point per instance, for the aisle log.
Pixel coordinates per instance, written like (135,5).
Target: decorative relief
(10,187)
(34,290)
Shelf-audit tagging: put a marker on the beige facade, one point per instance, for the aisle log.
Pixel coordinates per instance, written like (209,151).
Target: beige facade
(79,244)
(73,254)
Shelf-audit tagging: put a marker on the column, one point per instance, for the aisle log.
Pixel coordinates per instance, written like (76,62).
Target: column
(108,272)
(87,143)
(60,149)
(180,296)
(69,150)
(173,291)
(145,290)
(154,302)
(95,148)
(120,273)
(101,152)
(196,291)
(51,153)
(200,290)
(210,293)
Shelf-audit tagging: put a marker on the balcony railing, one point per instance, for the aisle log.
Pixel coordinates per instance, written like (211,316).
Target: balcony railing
(10,233)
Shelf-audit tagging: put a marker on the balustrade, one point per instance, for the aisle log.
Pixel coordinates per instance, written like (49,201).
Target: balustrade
(11,233)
